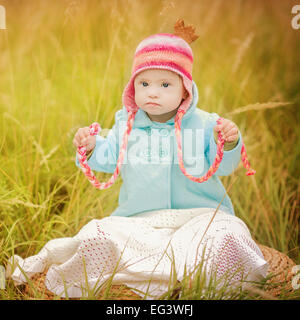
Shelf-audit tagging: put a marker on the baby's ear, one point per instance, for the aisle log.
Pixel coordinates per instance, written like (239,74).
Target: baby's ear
(185,94)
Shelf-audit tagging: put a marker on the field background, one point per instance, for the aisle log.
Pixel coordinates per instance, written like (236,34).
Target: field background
(64,64)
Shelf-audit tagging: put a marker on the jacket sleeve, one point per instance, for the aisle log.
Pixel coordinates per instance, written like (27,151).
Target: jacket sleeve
(231,158)
(105,154)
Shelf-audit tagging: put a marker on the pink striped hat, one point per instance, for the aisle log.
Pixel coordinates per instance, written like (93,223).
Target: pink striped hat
(161,51)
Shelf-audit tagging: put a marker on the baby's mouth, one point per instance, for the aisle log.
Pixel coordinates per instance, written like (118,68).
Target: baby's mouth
(152,104)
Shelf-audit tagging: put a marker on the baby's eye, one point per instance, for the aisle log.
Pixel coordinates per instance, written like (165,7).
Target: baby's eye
(144,83)
(165,84)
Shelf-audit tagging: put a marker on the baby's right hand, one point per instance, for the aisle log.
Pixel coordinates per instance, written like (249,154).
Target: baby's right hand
(83,138)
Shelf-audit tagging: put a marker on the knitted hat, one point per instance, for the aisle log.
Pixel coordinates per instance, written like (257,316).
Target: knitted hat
(164,51)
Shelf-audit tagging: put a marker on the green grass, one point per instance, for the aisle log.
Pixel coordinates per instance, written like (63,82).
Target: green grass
(64,65)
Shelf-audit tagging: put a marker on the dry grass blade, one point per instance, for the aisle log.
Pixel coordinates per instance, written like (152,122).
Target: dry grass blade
(259,106)
(252,290)
(20,202)
(68,81)
(212,218)
(241,51)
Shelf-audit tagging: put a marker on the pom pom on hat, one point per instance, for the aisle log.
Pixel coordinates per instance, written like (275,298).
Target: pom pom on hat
(187,33)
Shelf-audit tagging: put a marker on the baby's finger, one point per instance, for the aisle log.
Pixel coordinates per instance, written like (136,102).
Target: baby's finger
(75,143)
(223,126)
(227,126)
(217,128)
(223,129)
(79,135)
(232,131)
(83,132)
(86,131)
(231,138)
(80,138)
(88,139)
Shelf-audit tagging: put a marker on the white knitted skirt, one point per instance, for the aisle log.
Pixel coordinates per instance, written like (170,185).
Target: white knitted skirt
(144,250)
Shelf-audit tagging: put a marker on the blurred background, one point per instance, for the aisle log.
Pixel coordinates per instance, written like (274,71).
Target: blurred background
(64,65)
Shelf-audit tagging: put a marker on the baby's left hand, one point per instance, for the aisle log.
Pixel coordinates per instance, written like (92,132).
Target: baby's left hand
(229,130)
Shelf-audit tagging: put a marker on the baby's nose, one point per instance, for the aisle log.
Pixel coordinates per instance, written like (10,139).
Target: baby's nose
(152,96)
(153,93)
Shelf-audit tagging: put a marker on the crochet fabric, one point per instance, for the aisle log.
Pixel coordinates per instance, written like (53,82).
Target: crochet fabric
(146,243)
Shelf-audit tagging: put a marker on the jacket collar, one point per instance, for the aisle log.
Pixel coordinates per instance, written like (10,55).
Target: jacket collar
(142,120)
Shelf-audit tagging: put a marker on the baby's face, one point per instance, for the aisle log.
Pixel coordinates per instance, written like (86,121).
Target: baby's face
(163,88)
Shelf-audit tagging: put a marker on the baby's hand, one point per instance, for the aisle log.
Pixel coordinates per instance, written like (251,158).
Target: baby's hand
(229,130)
(84,139)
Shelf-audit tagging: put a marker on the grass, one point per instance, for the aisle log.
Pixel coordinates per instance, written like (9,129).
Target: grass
(64,65)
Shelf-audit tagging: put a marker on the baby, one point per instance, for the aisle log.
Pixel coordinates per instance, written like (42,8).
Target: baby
(163,207)
(160,103)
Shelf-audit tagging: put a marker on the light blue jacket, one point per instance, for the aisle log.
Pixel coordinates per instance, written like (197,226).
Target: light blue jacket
(151,175)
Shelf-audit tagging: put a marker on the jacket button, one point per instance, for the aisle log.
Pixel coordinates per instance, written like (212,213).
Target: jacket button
(164,132)
(162,153)
(148,131)
(147,153)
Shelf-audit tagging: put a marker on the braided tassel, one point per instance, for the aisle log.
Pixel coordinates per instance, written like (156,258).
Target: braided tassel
(95,128)
(246,163)
(81,154)
(219,156)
